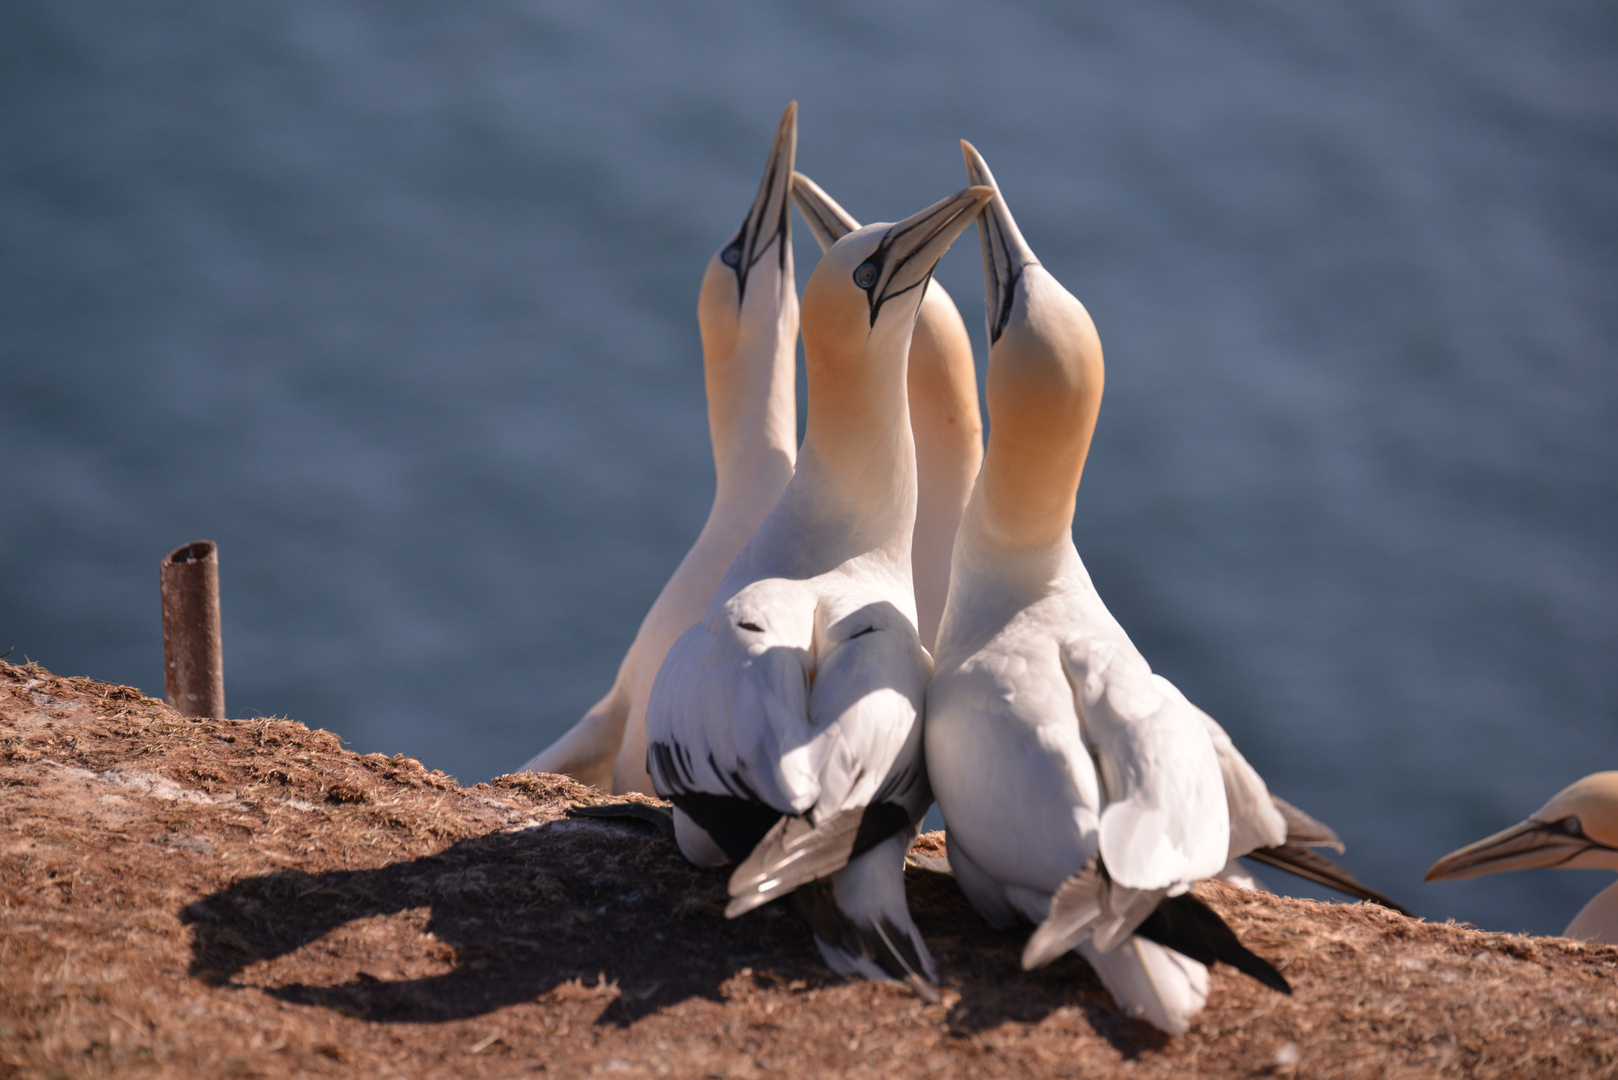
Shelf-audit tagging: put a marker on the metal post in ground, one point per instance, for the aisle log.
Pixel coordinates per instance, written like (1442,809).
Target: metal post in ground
(193,658)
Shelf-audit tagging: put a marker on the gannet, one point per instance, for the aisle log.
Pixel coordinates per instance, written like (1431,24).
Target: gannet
(1081,791)
(786,726)
(1578,830)
(944,416)
(747,313)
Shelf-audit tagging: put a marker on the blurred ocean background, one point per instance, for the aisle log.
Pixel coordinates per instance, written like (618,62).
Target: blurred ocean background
(397,303)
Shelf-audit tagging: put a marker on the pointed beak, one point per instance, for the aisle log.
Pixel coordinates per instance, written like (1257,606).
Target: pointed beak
(1005,252)
(768,221)
(910,249)
(1521,847)
(828,221)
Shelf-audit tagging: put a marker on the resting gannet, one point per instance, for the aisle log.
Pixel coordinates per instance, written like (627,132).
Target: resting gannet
(785,727)
(1081,791)
(747,313)
(944,417)
(1578,830)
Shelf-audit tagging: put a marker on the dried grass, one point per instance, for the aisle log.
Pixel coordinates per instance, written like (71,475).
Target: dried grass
(245,898)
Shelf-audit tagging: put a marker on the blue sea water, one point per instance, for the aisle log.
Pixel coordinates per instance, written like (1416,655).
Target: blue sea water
(396,303)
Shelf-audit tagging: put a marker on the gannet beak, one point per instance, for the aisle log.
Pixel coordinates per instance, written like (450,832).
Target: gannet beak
(910,249)
(1005,252)
(768,221)
(1521,847)
(828,221)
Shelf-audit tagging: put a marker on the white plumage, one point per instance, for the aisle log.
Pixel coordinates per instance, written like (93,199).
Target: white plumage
(1081,790)
(748,316)
(786,726)
(943,389)
(748,345)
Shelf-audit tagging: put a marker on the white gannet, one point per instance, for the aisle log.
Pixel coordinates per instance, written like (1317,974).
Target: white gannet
(786,726)
(747,313)
(1080,791)
(944,417)
(1576,830)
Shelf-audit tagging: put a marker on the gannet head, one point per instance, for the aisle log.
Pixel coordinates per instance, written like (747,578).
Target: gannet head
(1044,381)
(1578,829)
(942,382)
(1029,316)
(941,353)
(828,222)
(868,286)
(748,288)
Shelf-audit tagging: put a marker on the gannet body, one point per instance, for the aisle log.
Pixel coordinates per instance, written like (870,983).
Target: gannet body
(1578,829)
(748,316)
(1081,791)
(785,727)
(944,417)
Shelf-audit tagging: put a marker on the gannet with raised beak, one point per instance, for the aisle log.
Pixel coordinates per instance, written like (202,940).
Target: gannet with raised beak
(747,313)
(786,726)
(1576,830)
(1081,791)
(944,416)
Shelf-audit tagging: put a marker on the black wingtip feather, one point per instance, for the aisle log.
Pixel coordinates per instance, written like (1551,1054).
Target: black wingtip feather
(1313,866)
(735,824)
(886,944)
(1192,928)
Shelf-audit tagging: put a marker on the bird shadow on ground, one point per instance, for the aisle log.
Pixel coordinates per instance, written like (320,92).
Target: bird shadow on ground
(513,915)
(985,966)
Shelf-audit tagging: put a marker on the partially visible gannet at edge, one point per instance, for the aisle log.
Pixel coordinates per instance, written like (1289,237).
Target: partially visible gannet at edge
(786,726)
(1576,830)
(944,416)
(1081,791)
(747,313)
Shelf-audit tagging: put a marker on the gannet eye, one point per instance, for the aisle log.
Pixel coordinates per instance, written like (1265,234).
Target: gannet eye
(865,276)
(1571,826)
(755,627)
(731,256)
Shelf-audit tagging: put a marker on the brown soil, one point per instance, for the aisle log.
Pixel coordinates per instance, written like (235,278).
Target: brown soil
(186,898)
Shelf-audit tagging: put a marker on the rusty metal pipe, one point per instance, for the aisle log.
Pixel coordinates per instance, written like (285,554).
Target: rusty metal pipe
(193,657)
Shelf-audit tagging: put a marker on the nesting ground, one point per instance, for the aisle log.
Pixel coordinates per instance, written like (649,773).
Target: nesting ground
(188,898)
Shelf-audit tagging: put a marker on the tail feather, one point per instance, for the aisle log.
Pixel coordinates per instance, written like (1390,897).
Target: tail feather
(862,924)
(1088,906)
(1151,983)
(794,852)
(1193,929)
(1303,829)
(882,950)
(1075,907)
(1313,866)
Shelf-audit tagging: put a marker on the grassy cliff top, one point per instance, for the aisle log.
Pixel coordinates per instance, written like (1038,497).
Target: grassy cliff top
(199,898)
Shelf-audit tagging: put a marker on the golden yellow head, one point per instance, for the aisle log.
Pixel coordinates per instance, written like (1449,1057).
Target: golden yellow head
(757,261)
(869,284)
(1578,829)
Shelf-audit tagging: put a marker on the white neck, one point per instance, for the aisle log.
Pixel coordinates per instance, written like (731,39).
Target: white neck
(1044,389)
(949,447)
(752,407)
(1598,920)
(859,454)
(853,494)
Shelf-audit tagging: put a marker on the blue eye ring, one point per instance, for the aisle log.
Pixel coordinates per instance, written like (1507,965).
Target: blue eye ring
(731,256)
(865,275)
